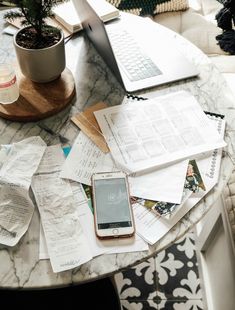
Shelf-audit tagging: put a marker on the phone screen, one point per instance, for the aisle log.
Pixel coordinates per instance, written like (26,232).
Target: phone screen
(112,203)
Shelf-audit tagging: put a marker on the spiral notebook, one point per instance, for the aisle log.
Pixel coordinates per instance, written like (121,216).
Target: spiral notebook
(151,227)
(210,165)
(157,133)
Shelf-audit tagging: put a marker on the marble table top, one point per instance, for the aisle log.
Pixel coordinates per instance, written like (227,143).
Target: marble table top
(20,266)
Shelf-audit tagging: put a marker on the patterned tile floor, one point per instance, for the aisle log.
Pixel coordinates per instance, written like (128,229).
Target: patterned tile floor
(169,281)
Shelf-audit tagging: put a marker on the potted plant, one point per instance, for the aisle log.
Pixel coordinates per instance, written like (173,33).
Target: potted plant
(39,47)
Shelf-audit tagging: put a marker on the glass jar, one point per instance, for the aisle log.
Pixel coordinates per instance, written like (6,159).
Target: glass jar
(9,91)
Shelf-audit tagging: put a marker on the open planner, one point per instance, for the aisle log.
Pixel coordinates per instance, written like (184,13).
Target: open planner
(159,132)
(152,227)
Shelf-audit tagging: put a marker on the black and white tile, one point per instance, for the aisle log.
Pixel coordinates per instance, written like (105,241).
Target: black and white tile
(169,281)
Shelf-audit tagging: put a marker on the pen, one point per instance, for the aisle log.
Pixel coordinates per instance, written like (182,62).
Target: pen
(62,139)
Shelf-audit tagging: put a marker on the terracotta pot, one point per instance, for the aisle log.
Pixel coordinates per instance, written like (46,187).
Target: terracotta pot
(41,65)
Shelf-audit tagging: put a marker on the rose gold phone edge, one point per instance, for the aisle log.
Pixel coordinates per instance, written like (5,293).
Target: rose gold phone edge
(125,235)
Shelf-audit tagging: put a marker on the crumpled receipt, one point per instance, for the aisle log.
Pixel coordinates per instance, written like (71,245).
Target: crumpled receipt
(67,243)
(18,162)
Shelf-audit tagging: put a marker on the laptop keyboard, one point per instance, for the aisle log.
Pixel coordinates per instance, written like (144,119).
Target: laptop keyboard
(136,64)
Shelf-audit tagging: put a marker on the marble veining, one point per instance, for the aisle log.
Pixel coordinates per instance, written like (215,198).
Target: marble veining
(20,267)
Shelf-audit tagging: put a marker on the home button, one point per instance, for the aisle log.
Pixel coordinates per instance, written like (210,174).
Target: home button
(115,231)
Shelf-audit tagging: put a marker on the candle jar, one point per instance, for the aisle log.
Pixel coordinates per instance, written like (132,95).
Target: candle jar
(9,91)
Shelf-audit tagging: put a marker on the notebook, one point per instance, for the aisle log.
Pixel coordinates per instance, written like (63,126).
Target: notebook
(157,133)
(66,14)
(151,64)
(211,163)
(151,227)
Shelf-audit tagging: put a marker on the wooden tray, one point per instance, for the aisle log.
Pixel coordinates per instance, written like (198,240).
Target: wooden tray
(40,100)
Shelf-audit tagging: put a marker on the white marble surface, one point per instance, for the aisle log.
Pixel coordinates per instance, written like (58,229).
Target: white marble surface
(20,267)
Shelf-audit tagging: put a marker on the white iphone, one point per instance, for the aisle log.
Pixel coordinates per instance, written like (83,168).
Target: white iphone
(112,208)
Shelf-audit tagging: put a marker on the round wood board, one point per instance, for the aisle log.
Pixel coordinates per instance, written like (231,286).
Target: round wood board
(40,100)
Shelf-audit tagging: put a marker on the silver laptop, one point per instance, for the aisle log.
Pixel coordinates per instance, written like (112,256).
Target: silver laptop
(137,64)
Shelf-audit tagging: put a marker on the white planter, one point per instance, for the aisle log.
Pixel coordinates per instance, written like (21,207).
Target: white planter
(41,65)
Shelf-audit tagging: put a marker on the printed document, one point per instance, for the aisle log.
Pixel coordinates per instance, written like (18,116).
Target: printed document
(98,247)
(67,244)
(18,163)
(85,158)
(157,132)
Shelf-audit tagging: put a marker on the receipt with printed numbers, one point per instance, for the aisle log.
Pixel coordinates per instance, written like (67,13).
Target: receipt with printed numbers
(18,163)
(67,244)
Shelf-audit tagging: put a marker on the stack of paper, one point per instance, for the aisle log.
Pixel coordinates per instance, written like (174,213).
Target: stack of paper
(147,138)
(67,220)
(153,140)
